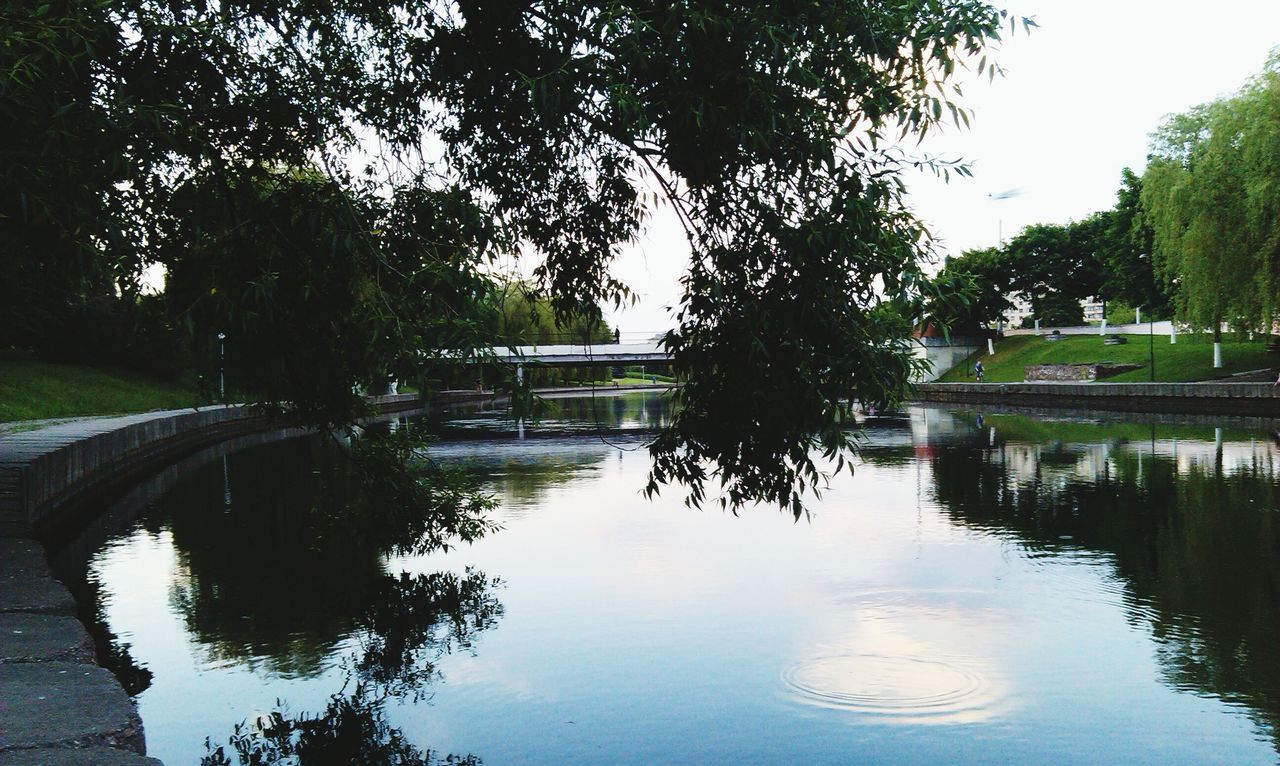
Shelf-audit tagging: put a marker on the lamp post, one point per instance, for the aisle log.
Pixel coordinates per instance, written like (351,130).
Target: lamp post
(998,197)
(1151,343)
(222,382)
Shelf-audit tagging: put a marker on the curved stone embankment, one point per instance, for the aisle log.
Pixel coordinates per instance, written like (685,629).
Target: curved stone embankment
(57,706)
(1250,399)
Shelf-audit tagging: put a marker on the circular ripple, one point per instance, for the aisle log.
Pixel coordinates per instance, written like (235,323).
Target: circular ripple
(887,686)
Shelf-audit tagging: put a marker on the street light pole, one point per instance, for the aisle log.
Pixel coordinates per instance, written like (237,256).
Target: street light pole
(1151,343)
(1004,195)
(222,382)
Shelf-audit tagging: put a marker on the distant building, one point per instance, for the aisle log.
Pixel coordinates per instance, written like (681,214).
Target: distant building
(1019,312)
(1022,315)
(943,350)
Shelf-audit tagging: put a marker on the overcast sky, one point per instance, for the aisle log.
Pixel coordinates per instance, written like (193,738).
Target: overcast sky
(1079,97)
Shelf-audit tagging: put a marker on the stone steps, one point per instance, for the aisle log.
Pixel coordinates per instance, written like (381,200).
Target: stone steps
(56,705)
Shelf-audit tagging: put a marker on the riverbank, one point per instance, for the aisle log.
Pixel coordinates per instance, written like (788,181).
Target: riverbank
(35,394)
(31,389)
(54,476)
(1246,399)
(1189,360)
(57,706)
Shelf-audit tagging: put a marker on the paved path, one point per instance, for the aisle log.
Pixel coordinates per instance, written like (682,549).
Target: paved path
(22,440)
(40,460)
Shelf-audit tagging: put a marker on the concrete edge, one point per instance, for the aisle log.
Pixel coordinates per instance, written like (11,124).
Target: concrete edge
(33,600)
(1241,399)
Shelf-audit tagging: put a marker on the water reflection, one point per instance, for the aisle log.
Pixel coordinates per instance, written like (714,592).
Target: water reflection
(352,729)
(917,689)
(413,621)
(276,578)
(279,566)
(1002,588)
(522,477)
(1189,520)
(602,412)
(409,624)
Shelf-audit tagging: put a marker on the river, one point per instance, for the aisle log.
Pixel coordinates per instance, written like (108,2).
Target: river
(984,588)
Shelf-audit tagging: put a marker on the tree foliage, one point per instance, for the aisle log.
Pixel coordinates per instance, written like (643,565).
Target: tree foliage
(1129,274)
(318,288)
(324,183)
(1051,266)
(974,289)
(1212,195)
(1055,266)
(521,315)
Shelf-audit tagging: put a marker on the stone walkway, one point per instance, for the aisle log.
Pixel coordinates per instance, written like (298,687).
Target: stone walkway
(23,444)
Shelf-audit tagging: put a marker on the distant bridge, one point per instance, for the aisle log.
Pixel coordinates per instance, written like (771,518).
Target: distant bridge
(592,355)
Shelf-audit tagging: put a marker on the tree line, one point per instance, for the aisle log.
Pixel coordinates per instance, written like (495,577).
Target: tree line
(1195,237)
(329,185)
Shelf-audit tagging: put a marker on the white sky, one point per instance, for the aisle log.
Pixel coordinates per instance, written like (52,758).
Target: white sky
(1079,97)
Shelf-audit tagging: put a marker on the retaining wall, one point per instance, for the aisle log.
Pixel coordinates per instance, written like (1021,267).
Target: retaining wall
(1258,399)
(56,704)
(47,474)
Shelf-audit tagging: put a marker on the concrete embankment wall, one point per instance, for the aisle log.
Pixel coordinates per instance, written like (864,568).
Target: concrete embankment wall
(47,474)
(1258,399)
(56,704)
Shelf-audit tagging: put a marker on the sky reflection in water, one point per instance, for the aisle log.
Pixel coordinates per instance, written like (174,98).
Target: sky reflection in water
(985,591)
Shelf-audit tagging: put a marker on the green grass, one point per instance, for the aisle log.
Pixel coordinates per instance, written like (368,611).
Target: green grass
(1190,359)
(31,389)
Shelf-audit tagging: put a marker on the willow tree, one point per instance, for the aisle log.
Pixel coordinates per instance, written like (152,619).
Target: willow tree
(1259,158)
(1211,193)
(329,180)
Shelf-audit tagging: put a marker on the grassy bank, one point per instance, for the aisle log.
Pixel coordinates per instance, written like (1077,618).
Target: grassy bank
(633,380)
(31,389)
(1189,360)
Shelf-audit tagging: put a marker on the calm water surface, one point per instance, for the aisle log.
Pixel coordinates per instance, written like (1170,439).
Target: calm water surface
(984,589)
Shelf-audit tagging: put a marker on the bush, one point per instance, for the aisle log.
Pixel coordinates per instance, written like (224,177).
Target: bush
(111,332)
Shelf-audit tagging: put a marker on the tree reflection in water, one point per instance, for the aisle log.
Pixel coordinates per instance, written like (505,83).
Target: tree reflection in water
(281,565)
(413,621)
(351,731)
(1192,526)
(287,574)
(410,624)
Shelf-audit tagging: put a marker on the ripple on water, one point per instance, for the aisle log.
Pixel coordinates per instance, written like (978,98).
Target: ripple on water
(894,688)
